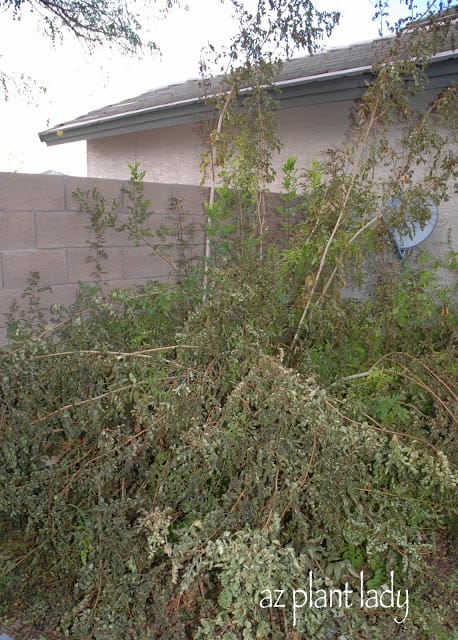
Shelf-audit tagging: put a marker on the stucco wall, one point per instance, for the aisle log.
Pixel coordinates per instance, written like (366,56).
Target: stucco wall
(172,154)
(307,132)
(169,155)
(42,229)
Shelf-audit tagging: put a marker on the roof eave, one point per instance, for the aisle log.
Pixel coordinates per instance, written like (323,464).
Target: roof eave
(335,86)
(325,87)
(125,123)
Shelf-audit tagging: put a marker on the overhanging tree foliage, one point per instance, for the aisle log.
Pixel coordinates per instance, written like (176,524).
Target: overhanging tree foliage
(94,22)
(242,141)
(109,22)
(164,462)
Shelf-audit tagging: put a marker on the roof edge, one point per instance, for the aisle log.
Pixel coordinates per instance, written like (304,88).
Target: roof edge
(188,110)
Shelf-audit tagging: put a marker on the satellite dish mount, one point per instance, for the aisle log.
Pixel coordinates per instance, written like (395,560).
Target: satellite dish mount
(417,232)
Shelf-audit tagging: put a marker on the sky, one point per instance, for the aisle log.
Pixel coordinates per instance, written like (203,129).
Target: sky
(76,81)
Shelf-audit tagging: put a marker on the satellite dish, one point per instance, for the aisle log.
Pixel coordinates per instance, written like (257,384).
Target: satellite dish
(417,232)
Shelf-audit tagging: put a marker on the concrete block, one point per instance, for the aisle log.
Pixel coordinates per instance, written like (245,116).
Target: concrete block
(109,189)
(164,220)
(273,201)
(191,227)
(191,197)
(30,192)
(58,294)
(17,230)
(115,238)
(120,238)
(17,265)
(274,229)
(138,263)
(79,269)
(3,338)
(163,197)
(198,222)
(159,194)
(63,294)
(7,298)
(197,250)
(62,230)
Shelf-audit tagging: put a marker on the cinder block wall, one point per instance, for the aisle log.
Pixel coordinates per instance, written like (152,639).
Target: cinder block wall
(42,229)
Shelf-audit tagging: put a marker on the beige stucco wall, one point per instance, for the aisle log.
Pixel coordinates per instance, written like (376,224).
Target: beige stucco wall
(169,155)
(172,155)
(307,132)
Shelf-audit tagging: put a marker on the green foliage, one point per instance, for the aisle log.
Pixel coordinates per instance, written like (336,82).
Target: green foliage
(173,243)
(35,312)
(166,460)
(109,21)
(396,149)
(287,26)
(291,207)
(161,492)
(238,162)
(102,217)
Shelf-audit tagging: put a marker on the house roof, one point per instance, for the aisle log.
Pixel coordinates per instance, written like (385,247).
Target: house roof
(331,76)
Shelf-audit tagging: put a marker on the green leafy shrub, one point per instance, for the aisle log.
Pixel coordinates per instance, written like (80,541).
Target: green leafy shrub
(159,493)
(169,457)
